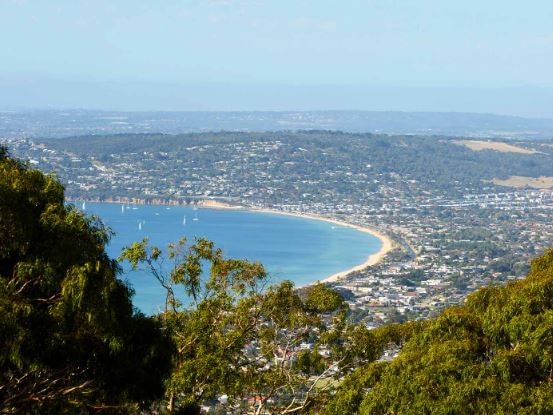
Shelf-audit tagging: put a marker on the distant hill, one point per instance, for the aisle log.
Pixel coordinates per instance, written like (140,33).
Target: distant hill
(314,166)
(65,123)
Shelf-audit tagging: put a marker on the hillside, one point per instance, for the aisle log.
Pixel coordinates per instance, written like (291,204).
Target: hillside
(316,166)
(72,343)
(494,354)
(454,229)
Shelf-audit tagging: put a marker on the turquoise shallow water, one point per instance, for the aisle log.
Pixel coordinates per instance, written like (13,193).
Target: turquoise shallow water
(300,249)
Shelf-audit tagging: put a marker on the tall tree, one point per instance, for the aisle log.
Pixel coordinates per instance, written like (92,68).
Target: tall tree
(69,338)
(265,349)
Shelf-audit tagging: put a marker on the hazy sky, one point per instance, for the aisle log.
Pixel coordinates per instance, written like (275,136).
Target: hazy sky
(82,47)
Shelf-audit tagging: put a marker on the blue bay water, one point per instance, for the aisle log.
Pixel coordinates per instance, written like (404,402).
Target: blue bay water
(299,249)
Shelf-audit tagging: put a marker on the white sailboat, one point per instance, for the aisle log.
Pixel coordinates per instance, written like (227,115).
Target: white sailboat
(184,220)
(139,226)
(122,208)
(195,217)
(84,206)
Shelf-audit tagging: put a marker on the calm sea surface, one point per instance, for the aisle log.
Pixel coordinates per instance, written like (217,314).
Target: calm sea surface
(298,249)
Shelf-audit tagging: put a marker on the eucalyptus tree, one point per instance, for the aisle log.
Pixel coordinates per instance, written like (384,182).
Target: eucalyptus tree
(69,338)
(263,348)
(493,354)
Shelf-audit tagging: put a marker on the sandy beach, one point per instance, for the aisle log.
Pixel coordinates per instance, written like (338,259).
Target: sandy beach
(386,242)
(373,259)
(216,204)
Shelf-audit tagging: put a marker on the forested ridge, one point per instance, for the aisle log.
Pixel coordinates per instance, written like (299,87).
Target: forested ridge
(71,342)
(494,354)
(289,160)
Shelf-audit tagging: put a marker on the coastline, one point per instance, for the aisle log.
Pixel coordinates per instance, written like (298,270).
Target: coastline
(215,204)
(386,244)
(373,259)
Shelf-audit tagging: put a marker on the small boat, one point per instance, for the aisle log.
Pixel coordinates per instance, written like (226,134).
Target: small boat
(122,208)
(195,217)
(84,206)
(184,220)
(139,226)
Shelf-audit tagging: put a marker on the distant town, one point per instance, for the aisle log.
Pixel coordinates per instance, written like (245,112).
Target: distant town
(462,213)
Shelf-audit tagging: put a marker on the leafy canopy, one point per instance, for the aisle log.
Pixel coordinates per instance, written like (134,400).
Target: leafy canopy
(69,338)
(268,349)
(494,354)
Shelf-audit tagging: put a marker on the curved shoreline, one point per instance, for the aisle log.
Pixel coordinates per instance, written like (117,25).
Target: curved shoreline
(386,244)
(373,259)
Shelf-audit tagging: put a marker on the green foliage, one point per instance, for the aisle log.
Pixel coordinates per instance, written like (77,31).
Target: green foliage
(352,389)
(270,349)
(69,339)
(320,299)
(218,320)
(492,355)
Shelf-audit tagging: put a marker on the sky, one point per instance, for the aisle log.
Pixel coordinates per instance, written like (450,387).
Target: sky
(458,55)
